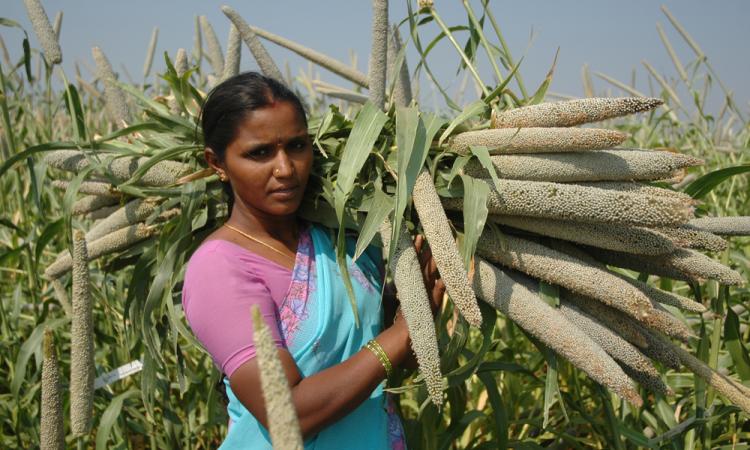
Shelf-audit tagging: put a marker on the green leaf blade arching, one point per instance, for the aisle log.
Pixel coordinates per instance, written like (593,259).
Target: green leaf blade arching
(380,208)
(364,134)
(705,184)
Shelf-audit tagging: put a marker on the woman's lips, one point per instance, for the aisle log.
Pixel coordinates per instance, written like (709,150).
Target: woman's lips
(285,192)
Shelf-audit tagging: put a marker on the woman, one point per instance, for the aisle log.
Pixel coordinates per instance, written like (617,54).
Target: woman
(256,139)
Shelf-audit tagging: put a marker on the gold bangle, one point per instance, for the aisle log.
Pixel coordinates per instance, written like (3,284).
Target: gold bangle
(379,353)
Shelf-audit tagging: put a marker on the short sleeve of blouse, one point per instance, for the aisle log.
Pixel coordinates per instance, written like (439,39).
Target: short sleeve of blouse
(217,294)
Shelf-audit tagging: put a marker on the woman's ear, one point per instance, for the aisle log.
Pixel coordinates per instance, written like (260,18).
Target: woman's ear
(213,160)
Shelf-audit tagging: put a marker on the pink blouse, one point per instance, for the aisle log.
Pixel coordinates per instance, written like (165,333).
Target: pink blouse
(222,281)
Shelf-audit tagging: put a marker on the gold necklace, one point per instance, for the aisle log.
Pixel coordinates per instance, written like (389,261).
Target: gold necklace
(254,239)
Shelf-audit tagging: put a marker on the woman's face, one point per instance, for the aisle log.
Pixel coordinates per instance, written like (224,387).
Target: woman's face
(269,161)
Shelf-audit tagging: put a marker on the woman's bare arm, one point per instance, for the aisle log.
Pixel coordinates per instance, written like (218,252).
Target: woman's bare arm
(322,398)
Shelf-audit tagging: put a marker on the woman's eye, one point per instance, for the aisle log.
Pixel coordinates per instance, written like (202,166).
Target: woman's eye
(258,153)
(299,145)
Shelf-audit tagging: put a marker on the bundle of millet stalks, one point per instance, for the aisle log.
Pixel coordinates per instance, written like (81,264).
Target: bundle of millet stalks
(570,207)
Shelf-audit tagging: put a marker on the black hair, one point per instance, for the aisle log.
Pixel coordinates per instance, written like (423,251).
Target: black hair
(230,101)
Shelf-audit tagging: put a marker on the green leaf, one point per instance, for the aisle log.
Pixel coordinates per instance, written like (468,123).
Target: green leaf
(50,232)
(27,59)
(501,87)
(733,342)
(551,388)
(705,184)
(542,91)
(500,420)
(483,155)
(73,103)
(475,215)
(4,21)
(380,208)
(110,416)
(414,136)
(28,348)
(471,110)
(365,132)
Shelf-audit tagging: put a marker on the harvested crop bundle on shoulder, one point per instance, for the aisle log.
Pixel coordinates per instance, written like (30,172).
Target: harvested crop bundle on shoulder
(612,318)
(91,203)
(565,270)
(90,187)
(634,362)
(548,325)
(632,187)
(682,264)
(593,165)
(724,226)
(114,242)
(725,386)
(536,140)
(580,203)
(415,306)
(689,236)
(573,112)
(666,297)
(160,174)
(133,212)
(283,424)
(611,236)
(444,250)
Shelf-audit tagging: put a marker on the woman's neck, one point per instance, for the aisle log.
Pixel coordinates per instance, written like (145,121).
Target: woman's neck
(280,228)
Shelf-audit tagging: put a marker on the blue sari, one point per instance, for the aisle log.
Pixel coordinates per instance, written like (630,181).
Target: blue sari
(318,326)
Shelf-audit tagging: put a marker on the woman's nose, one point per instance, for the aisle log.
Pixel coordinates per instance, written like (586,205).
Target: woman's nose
(283,165)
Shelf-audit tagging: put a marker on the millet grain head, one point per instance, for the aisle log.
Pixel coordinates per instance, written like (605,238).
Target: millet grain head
(283,425)
(689,236)
(415,306)
(580,203)
(524,307)
(264,60)
(114,242)
(81,341)
(723,226)
(536,140)
(117,108)
(553,266)
(44,31)
(444,250)
(573,112)
(622,238)
(593,165)
(378,53)
(52,426)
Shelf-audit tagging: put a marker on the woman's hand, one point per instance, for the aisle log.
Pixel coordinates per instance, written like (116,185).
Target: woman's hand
(432,281)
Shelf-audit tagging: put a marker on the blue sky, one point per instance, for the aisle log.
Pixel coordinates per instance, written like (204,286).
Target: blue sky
(612,37)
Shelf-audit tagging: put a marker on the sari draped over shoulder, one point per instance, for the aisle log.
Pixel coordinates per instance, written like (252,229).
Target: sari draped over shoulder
(317,323)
